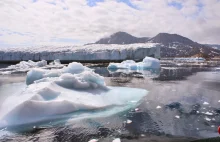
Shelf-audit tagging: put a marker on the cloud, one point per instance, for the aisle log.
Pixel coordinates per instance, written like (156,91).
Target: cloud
(81,21)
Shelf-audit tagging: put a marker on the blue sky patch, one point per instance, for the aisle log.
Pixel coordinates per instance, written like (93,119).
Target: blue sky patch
(94,2)
(177,5)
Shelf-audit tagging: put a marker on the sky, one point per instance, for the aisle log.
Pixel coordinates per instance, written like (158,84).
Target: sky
(68,22)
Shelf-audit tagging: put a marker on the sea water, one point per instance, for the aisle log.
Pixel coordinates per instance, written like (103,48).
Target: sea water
(182,104)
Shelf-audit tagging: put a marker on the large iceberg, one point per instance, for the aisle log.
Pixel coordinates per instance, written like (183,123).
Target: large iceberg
(86,53)
(147,63)
(149,67)
(71,92)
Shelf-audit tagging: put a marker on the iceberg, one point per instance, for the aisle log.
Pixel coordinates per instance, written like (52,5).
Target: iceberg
(38,73)
(149,67)
(74,91)
(147,63)
(55,62)
(29,64)
(25,66)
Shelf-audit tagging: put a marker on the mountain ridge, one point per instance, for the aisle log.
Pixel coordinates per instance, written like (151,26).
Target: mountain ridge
(122,38)
(173,45)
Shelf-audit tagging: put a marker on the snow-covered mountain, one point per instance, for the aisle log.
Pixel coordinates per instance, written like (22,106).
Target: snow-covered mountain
(214,46)
(173,45)
(122,38)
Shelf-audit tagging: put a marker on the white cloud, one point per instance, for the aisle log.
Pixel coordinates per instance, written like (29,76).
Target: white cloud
(44,20)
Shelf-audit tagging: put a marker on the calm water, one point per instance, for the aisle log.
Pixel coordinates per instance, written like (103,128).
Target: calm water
(183,104)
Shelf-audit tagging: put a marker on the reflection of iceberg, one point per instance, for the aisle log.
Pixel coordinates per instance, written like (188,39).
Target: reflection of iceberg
(149,67)
(149,73)
(74,90)
(196,59)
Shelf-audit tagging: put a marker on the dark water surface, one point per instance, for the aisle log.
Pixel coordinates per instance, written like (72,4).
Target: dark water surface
(183,104)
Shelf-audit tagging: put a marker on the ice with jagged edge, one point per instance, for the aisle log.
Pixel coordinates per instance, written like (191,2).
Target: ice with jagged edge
(72,92)
(149,67)
(25,66)
(89,52)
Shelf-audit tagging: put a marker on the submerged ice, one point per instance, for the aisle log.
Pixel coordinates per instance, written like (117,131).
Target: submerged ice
(62,93)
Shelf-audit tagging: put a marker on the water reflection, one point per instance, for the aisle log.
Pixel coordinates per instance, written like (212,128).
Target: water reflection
(163,74)
(182,101)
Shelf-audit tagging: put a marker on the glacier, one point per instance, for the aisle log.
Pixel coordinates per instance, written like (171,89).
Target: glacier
(91,52)
(72,92)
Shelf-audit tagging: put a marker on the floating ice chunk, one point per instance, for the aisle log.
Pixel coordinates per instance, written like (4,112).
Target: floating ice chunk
(66,95)
(85,80)
(177,116)
(93,140)
(36,73)
(205,103)
(147,63)
(207,119)
(55,62)
(74,68)
(137,109)
(149,67)
(28,64)
(219,101)
(128,121)
(158,107)
(33,105)
(25,66)
(209,113)
(116,140)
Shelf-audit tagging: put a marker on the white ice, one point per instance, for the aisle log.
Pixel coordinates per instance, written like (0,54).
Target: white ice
(90,52)
(73,91)
(25,66)
(29,64)
(149,67)
(38,73)
(117,140)
(147,63)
